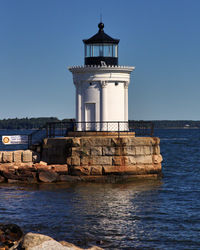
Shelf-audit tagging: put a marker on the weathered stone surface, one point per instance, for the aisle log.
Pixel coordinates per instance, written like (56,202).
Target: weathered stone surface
(2,179)
(138,169)
(27,156)
(7,157)
(96,170)
(86,160)
(69,161)
(43,163)
(76,142)
(102,160)
(75,160)
(96,141)
(1,156)
(33,241)
(110,151)
(17,156)
(157,158)
(96,151)
(143,150)
(135,141)
(144,159)
(156,150)
(72,246)
(41,168)
(120,169)
(80,151)
(118,160)
(10,174)
(69,245)
(48,176)
(60,169)
(80,170)
(124,160)
(128,150)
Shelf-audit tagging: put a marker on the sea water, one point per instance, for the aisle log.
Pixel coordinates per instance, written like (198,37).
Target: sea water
(161,214)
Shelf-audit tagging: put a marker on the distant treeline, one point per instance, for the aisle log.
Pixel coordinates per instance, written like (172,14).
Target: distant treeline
(176,124)
(28,123)
(34,123)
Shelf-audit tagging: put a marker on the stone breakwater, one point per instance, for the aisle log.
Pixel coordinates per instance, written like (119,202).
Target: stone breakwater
(92,159)
(13,238)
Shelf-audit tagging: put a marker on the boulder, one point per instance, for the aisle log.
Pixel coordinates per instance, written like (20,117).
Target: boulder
(80,170)
(34,241)
(48,176)
(2,179)
(10,236)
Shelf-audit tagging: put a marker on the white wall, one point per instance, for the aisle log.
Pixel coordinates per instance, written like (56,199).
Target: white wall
(115,101)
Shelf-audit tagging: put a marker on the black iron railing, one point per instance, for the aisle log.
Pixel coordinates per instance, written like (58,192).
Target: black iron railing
(141,128)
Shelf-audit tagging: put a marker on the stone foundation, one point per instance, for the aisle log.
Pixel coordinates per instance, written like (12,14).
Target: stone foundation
(89,159)
(100,156)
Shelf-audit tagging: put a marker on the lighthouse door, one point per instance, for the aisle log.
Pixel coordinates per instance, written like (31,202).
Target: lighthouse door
(90,116)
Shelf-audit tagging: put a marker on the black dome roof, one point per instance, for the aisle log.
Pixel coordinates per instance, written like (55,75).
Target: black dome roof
(101,37)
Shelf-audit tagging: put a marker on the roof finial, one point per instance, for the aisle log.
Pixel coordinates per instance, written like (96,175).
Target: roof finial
(100,25)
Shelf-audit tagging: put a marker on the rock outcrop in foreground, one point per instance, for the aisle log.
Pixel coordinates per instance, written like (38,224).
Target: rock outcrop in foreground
(12,238)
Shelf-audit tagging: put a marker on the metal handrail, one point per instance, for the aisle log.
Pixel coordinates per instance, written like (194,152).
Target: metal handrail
(141,128)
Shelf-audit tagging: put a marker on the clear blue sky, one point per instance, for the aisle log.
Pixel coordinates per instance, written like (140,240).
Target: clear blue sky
(39,39)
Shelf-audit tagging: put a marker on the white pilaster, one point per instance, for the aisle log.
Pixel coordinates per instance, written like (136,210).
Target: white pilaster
(103,104)
(78,104)
(126,104)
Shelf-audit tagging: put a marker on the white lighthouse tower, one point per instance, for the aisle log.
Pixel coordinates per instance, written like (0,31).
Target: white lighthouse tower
(101,86)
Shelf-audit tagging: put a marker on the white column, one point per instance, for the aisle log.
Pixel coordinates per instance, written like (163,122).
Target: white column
(78,104)
(126,104)
(104,104)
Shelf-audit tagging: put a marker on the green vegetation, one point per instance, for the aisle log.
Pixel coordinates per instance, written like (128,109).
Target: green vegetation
(34,123)
(27,123)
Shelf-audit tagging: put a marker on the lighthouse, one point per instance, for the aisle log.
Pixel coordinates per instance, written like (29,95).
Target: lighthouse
(101,86)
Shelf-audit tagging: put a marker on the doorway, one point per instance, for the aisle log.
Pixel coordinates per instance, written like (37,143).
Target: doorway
(90,116)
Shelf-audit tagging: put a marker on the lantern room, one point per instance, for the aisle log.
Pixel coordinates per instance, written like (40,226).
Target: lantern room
(101,49)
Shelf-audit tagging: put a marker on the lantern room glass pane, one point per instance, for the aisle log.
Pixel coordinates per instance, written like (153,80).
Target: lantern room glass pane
(114,50)
(88,51)
(108,50)
(95,50)
(101,50)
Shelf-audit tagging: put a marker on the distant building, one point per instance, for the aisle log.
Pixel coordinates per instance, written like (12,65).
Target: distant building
(101,85)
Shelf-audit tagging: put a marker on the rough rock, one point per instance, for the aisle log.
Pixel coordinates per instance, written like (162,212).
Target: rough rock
(2,179)
(10,236)
(96,151)
(80,170)
(48,176)
(61,169)
(33,241)
(7,157)
(96,170)
(157,158)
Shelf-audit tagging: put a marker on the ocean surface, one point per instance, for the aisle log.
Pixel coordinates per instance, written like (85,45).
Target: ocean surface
(162,214)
